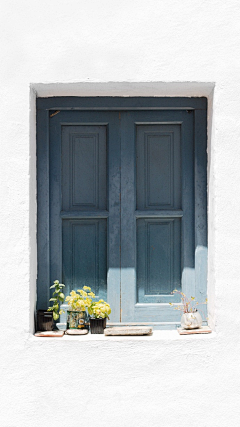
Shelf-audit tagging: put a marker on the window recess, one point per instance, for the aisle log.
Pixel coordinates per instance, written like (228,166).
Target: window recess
(122,202)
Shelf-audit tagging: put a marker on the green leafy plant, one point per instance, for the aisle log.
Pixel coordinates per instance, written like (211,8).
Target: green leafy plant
(81,299)
(99,309)
(57,299)
(188,305)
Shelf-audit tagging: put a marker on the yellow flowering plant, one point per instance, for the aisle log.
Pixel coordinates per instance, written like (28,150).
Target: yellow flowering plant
(99,309)
(81,299)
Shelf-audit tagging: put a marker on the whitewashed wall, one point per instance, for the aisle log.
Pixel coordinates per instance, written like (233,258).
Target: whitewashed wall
(176,48)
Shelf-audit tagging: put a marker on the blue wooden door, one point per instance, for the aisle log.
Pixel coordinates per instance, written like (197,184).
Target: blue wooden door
(157,213)
(85,203)
(123,188)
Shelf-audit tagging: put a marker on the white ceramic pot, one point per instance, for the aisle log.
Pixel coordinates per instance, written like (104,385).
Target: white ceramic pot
(61,326)
(191,320)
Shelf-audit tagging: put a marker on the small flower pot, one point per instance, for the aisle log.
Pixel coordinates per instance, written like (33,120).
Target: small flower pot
(44,320)
(77,320)
(98,325)
(191,320)
(61,326)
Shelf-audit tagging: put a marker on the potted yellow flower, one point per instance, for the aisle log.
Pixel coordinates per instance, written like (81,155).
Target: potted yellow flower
(78,301)
(99,313)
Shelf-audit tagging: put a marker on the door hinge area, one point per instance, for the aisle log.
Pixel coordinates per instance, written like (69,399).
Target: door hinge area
(54,114)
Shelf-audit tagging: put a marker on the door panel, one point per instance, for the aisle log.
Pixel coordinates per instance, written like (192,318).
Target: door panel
(158,258)
(84,174)
(158,167)
(85,255)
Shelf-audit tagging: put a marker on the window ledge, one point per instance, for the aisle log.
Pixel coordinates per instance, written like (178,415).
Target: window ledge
(159,335)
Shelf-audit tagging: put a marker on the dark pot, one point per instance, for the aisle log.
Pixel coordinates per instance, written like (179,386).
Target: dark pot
(44,320)
(98,325)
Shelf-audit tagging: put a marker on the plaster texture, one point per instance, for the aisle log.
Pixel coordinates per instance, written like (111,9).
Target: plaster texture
(153,48)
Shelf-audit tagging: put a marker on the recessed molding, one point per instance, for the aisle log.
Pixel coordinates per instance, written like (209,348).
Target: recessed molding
(123,89)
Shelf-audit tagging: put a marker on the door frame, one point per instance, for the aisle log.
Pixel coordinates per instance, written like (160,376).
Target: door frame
(48,107)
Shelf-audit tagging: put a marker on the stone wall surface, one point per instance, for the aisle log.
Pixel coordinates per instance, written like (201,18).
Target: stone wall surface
(144,48)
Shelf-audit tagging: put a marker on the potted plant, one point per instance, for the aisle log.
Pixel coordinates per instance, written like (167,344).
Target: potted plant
(44,321)
(45,317)
(99,313)
(191,318)
(78,301)
(57,299)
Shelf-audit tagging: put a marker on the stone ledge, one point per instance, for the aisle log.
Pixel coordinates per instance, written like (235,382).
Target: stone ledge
(128,331)
(157,336)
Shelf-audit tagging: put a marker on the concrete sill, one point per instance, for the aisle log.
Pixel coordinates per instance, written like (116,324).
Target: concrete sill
(159,335)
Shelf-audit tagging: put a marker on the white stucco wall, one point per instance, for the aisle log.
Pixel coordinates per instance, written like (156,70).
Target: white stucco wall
(176,48)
